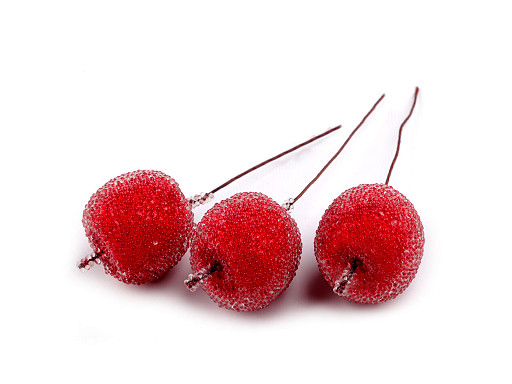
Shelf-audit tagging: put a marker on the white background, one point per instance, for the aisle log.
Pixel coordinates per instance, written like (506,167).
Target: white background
(204,90)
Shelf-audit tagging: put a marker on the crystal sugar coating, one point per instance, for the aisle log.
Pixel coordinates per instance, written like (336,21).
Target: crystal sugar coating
(369,243)
(141,224)
(256,245)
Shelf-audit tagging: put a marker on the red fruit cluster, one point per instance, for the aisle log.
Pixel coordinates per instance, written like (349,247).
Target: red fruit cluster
(252,246)
(369,243)
(139,224)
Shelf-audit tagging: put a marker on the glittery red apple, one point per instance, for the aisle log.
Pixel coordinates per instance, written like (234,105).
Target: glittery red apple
(245,252)
(369,243)
(139,225)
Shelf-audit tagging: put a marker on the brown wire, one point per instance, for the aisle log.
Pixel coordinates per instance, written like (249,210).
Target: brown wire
(274,158)
(400,134)
(339,150)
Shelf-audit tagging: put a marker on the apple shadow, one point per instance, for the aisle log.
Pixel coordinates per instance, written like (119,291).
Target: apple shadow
(317,290)
(318,293)
(171,287)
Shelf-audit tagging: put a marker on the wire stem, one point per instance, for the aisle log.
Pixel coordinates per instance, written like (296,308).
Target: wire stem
(85,263)
(339,150)
(339,286)
(194,279)
(274,158)
(400,135)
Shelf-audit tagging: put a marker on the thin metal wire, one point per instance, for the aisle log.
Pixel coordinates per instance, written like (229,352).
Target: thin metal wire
(400,134)
(339,150)
(274,158)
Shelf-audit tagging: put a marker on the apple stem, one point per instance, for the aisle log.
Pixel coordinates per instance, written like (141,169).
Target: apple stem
(400,134)
(194,279)
(199,199)
(339,151)
(347,275)
(86,262)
